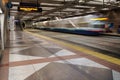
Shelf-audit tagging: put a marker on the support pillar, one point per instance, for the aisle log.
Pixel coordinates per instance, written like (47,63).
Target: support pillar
(2,18)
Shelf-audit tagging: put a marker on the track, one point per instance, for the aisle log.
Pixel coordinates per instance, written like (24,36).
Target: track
(109,45)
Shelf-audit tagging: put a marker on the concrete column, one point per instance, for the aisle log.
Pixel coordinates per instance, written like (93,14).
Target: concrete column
(12,25)
(2,18)
(6,28)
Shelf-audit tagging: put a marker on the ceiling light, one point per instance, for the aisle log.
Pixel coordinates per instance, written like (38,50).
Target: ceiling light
(15,7)
(17,3)
(105,9)
(50,4)
(13,11)
(81,1)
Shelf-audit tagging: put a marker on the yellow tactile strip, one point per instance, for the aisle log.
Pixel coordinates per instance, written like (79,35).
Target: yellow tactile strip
(81,49)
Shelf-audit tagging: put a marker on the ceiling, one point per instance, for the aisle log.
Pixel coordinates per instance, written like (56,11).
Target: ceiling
(61,8)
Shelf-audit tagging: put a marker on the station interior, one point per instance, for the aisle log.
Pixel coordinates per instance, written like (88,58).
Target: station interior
(59,39)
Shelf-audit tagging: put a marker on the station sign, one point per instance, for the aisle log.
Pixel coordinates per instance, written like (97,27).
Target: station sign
(29,7)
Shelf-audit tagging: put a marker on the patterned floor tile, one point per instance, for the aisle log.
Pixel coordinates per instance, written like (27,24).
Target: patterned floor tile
(26,47)
(83,62)
(63,52)
(35,51)
(60,71)
(116,75)
(17,57)
(20,72)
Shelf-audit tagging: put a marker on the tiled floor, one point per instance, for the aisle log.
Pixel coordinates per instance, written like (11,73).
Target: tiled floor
(33,58)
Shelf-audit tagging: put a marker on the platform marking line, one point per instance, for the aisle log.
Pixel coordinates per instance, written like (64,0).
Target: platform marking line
(81,49)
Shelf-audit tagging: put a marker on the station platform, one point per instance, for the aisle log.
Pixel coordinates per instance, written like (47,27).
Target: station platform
(31,56)
(112,34)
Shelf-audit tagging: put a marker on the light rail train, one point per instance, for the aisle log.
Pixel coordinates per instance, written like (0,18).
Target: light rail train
(85,25)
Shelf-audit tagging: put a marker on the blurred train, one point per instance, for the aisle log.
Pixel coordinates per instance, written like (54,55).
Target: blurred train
(82,25)
(83,30)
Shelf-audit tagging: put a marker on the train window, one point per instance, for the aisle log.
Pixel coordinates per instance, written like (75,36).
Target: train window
(98,24)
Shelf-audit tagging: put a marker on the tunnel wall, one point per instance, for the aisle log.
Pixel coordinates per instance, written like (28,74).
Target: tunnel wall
(114,16)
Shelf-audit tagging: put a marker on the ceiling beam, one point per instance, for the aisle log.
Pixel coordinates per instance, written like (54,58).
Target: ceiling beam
(43,5)
(58,8)
(41,1)
(70,4)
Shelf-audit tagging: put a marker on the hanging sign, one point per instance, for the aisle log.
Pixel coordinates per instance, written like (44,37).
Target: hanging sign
(29,7)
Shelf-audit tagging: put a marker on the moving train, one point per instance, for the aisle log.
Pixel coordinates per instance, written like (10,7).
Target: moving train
(82,30)
(86,25)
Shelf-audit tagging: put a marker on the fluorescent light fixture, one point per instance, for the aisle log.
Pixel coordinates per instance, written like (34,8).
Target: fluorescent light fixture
(84,6)
(105,9)
(47,8)
(70,9)
(13,11)
(15,7)
(1,10)
(17,3)
(26,17)
(50,4)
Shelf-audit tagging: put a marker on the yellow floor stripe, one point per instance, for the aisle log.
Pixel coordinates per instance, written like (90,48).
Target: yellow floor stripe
(81,49)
